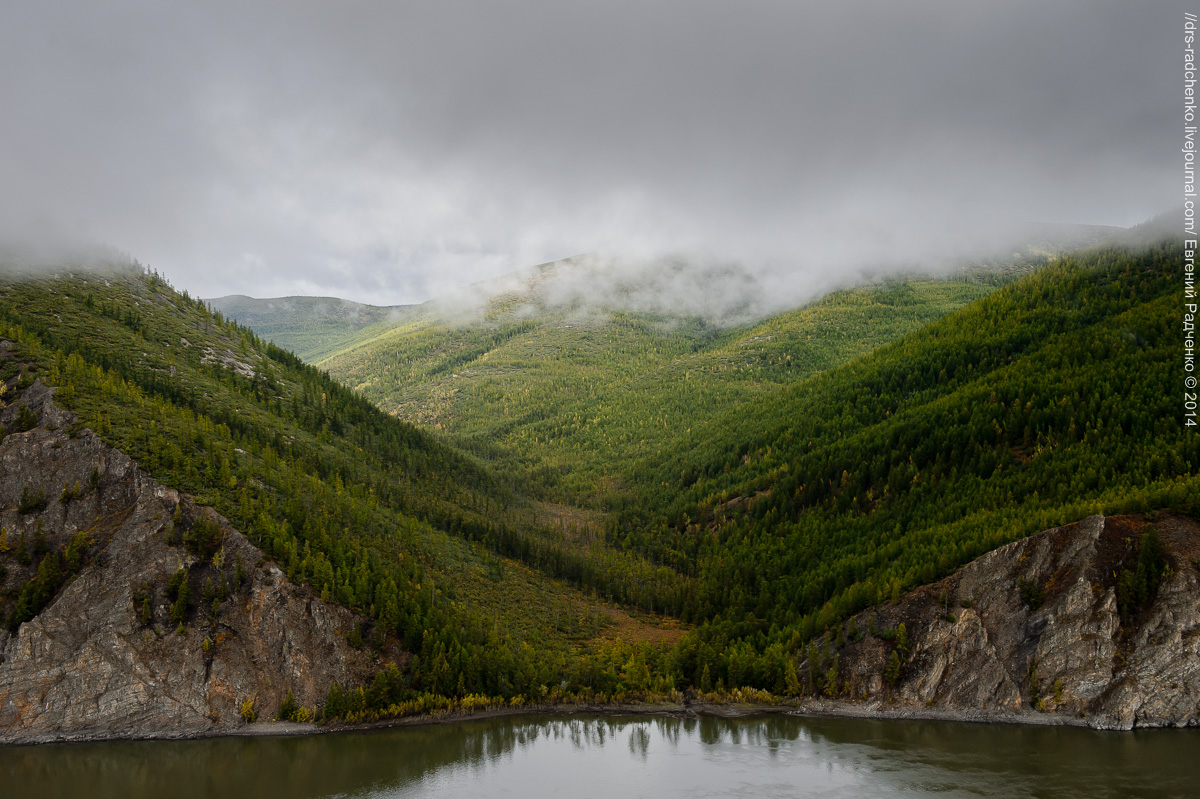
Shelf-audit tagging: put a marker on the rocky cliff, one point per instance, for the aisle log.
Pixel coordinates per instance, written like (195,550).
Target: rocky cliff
(1095,623)
(127,610)
(130,611)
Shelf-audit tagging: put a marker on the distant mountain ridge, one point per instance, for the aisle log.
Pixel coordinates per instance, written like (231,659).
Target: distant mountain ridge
(308,326)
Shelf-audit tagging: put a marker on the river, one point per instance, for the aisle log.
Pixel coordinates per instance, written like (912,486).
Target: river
(625,756)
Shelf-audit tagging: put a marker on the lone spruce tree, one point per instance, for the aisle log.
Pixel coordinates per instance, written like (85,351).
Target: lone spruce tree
(891,674)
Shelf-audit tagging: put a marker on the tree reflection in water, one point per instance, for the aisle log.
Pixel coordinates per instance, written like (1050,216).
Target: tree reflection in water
(589,755)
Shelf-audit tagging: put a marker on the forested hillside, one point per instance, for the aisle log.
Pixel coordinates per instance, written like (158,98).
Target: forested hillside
(1044,402)
(570,373)
(570,397)
(760,484)
(368,510)
(802,469)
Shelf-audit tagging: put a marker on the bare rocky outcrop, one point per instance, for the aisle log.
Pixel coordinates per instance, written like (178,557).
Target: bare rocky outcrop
(105,658)
(1032,632)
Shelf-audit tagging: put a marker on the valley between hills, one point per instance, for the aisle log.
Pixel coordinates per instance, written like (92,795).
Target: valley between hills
(966,493)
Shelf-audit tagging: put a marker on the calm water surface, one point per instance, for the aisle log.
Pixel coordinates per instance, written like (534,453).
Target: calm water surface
(615,756)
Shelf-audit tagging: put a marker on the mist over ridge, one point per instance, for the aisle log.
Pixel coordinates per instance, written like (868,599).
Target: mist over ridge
(729,292)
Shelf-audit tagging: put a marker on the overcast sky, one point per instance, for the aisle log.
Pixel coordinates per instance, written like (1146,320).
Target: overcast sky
(386,152)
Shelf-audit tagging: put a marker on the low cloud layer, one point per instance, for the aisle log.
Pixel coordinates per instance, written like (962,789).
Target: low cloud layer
(726,292)
(389,152)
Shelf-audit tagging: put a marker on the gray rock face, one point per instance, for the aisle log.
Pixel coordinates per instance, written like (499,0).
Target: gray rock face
(1060,653)
(105,658)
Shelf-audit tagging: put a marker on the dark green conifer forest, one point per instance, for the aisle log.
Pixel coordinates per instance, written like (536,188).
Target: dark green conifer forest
(747,487)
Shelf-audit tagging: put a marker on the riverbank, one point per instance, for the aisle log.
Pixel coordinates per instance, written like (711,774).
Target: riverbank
(802,708)
(815,708)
